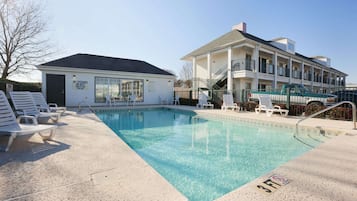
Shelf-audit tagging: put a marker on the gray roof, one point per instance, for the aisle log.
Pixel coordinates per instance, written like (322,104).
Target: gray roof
(221,42)
(96,62)
(235,36)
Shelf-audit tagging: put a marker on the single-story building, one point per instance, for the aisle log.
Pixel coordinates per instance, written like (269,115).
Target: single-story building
(91,79)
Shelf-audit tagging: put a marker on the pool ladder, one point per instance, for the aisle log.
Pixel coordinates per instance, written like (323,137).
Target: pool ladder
(327,109)
(85,104)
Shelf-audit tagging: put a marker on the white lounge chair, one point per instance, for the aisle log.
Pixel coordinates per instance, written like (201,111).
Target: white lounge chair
(10,127)
(266,105)
(25,105)
(41,102)
(228,103)
(202,102)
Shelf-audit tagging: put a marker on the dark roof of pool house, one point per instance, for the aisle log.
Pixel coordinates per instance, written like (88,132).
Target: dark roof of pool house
(96,62)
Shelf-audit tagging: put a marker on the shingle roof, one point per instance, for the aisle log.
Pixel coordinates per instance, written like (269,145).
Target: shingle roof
(95,62)
(226,39)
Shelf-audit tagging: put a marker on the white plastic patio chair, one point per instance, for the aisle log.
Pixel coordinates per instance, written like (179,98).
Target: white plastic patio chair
(266,105)
(202,102)
(132,99)
(25,105)
(41,102)
(108,100)
(10,127)
(176,100)
(228,103)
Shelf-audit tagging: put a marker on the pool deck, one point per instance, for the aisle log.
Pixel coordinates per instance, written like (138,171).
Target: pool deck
(87,161)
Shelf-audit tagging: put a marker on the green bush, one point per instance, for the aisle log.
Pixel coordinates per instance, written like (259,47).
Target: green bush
(341,113)
(187,101)
(296,110)
(313,108)
(250,106)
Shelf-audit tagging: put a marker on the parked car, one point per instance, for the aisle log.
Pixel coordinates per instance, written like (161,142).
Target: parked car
(346,95)
(298,95)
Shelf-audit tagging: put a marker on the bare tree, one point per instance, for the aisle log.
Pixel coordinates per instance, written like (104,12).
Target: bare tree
(186,74)
(22,43)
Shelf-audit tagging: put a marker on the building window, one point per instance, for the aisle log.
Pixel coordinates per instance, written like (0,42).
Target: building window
(119,89)
(291,47)
(261,87)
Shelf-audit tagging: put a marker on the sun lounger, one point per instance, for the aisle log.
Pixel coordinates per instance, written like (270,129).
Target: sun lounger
(228,103)
(202,102)
(25,105)
(41,102)
(266,105)
(10,127)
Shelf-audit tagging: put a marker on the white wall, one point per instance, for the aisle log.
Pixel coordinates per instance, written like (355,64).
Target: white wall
(155,86)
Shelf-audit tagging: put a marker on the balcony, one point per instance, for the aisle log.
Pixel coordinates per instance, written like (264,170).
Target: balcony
(243,64)
(296,74)
(307,76)
(317,78)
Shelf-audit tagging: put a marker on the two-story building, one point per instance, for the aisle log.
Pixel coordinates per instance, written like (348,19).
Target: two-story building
(238,60)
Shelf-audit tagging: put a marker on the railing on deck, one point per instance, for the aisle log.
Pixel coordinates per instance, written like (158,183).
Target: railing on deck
(242,64)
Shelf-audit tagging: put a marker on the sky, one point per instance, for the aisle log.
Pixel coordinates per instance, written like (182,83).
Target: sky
(163,31)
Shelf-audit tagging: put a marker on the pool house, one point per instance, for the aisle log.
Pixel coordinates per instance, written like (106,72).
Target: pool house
(92,80)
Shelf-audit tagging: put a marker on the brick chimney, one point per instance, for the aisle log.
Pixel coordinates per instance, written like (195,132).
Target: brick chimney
(240,27)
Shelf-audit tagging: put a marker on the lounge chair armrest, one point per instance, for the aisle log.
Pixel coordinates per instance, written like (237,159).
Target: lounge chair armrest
(263,107)
(27,119)
(55,105)
(20,112)
(277,107)
(43,109)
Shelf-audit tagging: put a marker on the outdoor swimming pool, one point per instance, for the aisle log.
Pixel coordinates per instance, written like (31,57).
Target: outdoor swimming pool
(203,157)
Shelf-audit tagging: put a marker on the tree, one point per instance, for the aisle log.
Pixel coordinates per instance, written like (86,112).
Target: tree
(21,39)
(186,74)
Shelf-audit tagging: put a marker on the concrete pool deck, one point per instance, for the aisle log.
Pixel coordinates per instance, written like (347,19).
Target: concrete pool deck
(87,161)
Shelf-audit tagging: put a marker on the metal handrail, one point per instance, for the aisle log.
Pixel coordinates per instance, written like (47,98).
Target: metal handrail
(326,109)
(84,103)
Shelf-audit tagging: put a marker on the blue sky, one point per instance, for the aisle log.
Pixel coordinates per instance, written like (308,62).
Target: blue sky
(161,31)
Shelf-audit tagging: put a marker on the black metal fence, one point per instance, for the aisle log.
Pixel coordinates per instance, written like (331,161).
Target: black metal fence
(17,86)
(298,105)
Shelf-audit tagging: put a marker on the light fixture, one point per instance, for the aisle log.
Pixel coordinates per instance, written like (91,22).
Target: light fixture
(74,78)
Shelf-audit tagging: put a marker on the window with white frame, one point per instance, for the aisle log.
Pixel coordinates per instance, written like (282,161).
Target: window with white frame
(118,88)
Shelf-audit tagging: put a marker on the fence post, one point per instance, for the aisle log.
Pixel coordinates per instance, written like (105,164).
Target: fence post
(288,98)
(190,97)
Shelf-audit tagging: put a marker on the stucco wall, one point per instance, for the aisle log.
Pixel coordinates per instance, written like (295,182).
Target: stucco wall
(155,86)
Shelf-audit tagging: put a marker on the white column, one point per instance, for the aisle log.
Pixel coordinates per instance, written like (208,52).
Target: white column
(256,67)
(322,77)
(329,80)
(312,77)
(338,80)
(229,72)
(194,74)
(209,67)
(275,61)
(302,72)
(290,65)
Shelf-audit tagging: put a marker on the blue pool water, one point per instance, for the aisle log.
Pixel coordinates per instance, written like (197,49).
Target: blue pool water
(203,157)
